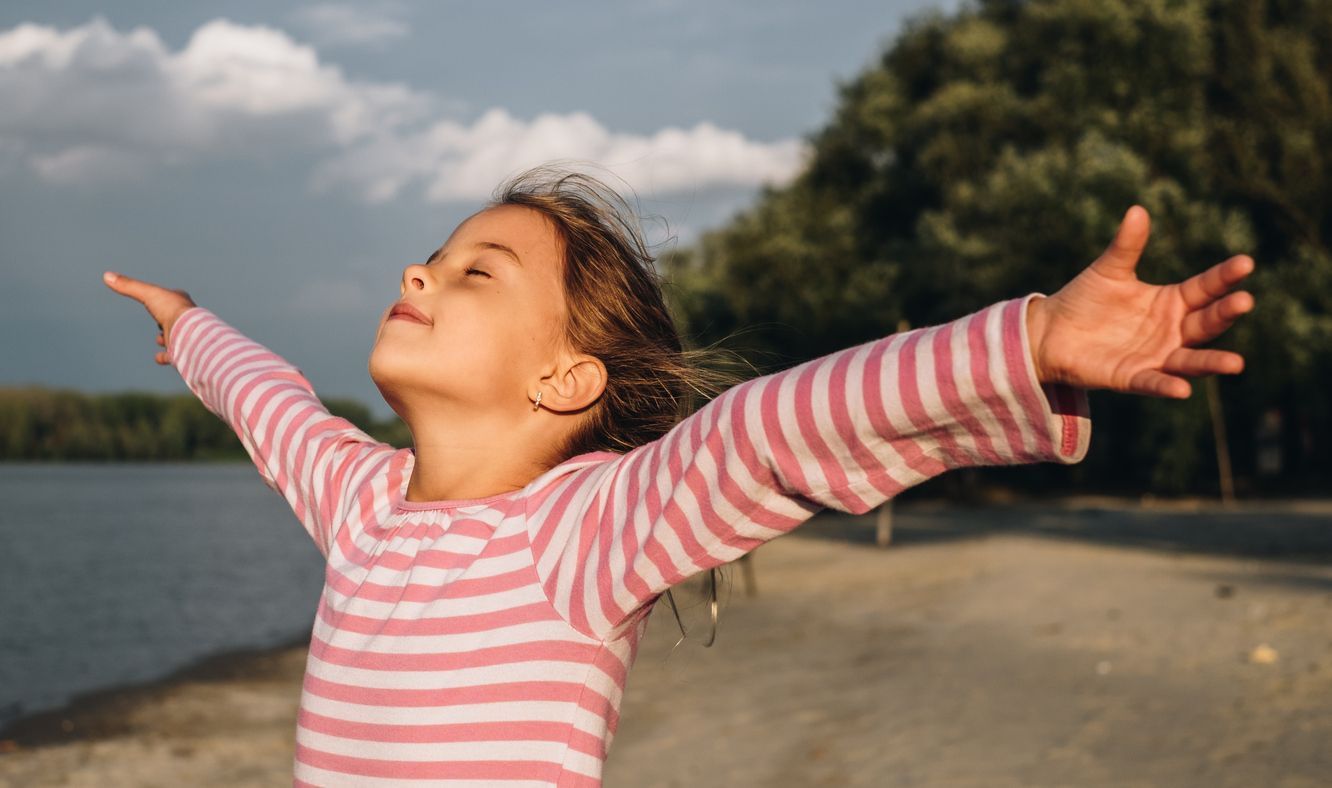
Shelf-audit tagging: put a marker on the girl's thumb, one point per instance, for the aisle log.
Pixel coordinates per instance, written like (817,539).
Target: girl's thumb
(110,277)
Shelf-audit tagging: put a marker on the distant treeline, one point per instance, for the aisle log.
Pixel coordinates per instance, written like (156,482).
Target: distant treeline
(38,423)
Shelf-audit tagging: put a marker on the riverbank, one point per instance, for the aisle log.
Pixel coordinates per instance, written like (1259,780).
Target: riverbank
(226,720)
(1087,642)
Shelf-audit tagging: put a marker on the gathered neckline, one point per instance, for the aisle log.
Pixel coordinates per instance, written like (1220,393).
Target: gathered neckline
(402,504)
(450,503)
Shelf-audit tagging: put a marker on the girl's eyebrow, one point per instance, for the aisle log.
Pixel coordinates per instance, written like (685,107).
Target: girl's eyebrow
(481,245)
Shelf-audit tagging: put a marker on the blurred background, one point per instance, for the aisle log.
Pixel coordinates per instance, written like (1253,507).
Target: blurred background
(811,177)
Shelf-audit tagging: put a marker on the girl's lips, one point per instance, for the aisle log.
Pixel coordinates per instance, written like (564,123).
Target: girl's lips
(406,311)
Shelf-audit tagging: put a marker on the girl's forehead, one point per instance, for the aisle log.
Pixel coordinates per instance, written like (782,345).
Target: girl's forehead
(528,232)
(517,220)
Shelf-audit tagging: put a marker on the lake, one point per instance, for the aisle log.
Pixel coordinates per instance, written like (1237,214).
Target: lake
(121,573)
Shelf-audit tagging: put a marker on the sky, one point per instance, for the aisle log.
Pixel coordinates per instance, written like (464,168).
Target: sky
(283,162)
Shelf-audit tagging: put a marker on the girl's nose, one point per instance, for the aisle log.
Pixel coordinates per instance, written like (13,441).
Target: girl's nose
(414,277)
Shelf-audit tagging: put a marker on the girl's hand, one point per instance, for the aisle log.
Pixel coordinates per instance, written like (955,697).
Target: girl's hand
(162,304)
(1105,329)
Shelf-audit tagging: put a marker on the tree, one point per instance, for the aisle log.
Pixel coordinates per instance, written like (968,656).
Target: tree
(992,152)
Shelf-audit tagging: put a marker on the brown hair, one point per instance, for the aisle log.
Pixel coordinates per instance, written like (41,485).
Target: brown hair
(616,311)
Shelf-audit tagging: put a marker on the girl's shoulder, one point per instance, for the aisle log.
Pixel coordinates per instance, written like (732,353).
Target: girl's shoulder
(578,471)
(580,464)
(589,458)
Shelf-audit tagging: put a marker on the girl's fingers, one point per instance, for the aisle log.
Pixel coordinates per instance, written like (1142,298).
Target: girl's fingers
(127,285)
(1201,325)
(1202,289)
(162,304)
(1158,384)
(139,290)
(1188,361)
(1166,381)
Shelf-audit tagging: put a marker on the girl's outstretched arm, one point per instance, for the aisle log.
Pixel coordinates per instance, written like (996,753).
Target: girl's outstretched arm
(1005,385)
(313,459)
(846,431)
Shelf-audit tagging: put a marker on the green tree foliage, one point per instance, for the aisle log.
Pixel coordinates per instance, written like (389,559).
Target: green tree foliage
(54,424)
(992,152)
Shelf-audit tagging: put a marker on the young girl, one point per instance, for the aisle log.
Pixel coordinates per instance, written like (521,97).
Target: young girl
(486,590)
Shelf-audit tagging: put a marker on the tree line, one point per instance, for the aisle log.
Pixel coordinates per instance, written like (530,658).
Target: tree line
(991,152)
(45,424)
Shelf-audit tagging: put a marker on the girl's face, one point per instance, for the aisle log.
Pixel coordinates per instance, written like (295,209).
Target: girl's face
(496,319)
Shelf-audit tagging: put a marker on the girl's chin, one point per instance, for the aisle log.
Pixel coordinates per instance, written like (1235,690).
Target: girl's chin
(390,367)
(401,367)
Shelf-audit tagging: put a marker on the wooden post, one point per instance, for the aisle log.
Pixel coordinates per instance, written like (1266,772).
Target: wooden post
(883,522)
(751,579)
(1219,436)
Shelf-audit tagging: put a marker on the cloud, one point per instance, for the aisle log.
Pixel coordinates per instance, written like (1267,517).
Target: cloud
(88,165)
(91,102)
(337,24)
(451,161)
(91,105)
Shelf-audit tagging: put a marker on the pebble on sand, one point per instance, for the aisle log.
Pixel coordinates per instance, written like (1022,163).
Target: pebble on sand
(1263,654)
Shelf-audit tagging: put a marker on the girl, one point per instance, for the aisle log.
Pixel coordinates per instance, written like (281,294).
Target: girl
(486,590)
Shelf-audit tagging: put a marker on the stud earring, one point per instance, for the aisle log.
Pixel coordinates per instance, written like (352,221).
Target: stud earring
(537,404)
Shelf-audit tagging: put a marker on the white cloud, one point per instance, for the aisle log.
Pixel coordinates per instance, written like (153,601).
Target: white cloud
(337,24)
(91,104)
(93,101)
(453,161)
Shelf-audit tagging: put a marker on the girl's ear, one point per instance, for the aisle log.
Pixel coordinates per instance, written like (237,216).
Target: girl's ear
(575,384)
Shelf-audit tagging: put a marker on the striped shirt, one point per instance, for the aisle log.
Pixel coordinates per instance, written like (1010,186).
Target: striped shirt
(488,640)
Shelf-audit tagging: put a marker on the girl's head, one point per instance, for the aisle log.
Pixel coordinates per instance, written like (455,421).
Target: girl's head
(550,288)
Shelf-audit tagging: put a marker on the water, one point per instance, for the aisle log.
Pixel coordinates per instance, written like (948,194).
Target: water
(115,574)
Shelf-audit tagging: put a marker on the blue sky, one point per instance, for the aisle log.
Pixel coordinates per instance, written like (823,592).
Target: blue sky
(282,162)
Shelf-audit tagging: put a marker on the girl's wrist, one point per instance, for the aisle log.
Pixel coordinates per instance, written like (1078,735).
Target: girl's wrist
(1036,322)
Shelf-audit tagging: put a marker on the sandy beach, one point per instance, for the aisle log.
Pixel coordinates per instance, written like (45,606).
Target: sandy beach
(1079,642)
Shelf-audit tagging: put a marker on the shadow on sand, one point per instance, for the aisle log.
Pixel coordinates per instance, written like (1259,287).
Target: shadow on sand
(1252,531)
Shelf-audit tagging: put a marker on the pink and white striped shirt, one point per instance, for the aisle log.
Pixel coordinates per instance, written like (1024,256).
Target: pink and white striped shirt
(488,640)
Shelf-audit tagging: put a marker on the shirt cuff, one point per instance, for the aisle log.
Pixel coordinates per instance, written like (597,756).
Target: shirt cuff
(1060,413)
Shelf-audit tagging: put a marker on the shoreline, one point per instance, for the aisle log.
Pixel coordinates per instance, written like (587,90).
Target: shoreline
(104,713)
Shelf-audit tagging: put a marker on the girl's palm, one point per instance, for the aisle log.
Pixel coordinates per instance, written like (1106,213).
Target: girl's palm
(1106,329)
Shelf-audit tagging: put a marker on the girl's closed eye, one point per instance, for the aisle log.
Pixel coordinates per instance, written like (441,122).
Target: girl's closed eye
(471,271)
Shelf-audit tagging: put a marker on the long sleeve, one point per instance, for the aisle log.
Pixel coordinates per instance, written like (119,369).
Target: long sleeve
(314,459)
(846,431)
